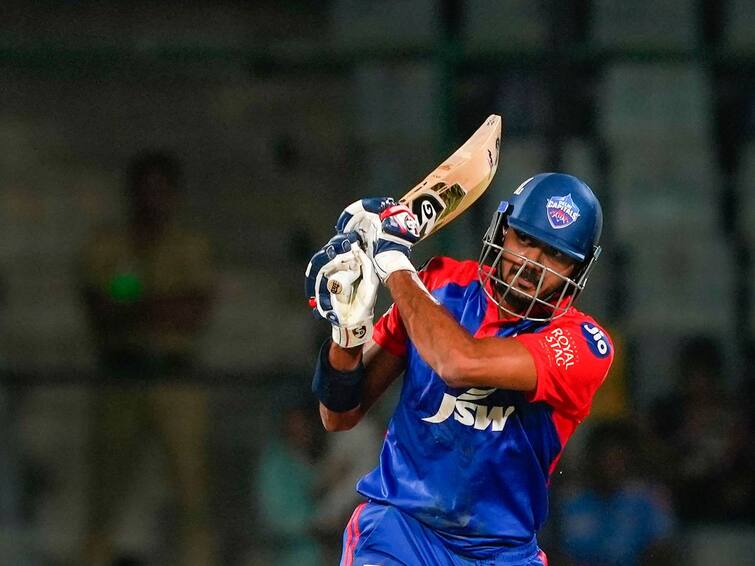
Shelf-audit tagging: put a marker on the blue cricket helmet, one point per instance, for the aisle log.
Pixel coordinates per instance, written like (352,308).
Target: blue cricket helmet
(560,211)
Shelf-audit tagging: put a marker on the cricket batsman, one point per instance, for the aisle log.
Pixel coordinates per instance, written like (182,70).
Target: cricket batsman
(498,367)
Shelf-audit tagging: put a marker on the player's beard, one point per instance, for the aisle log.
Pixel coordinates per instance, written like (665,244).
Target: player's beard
(519,300)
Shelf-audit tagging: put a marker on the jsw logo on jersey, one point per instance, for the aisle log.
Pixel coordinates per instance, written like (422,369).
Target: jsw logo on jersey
(469,413)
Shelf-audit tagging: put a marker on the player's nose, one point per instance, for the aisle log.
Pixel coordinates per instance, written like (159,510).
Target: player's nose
(533,253)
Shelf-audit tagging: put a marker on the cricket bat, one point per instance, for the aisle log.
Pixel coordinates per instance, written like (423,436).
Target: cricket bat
(450,188)
(457,182)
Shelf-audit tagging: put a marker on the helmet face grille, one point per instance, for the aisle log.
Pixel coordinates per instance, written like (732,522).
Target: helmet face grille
(530,305)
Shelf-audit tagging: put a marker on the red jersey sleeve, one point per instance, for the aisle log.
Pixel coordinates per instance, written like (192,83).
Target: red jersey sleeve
(389,332)
(572,358)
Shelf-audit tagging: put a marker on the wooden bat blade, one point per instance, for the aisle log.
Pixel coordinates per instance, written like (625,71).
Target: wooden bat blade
(457,182)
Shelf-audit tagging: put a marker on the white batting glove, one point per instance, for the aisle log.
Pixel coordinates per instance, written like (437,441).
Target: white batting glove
(350,306)
(387,230)
(354,302)
(342,288)
(363,216)
(399,231)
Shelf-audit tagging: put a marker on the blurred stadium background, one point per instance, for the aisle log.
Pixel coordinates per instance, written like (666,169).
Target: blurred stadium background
(281,113)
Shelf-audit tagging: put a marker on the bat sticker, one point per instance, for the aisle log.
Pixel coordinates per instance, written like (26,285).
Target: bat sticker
(427,208)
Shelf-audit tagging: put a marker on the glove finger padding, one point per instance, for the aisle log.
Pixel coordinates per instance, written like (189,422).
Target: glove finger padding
(351,214)
(400,222)
(399,231)
(363,217)
(357,316)
(342,286)
(338,245)
(354,308)
(347,266)
(366,292)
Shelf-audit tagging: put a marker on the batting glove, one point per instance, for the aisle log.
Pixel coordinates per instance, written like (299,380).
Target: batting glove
(341,285)
(399,231)
(363,217)
(386,229)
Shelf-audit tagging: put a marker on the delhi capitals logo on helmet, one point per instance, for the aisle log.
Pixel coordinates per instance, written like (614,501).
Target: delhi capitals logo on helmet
(562,211)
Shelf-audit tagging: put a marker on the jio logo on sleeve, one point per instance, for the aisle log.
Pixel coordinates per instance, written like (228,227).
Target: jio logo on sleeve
(596,339)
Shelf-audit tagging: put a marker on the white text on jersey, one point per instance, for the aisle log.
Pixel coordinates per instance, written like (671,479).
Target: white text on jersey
(469,413)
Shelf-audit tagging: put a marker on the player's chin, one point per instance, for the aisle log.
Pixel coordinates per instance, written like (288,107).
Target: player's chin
(518,299)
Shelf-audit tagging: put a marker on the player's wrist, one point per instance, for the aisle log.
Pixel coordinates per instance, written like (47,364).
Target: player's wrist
(399,276)
(390,261)
(340,390)
(344,359)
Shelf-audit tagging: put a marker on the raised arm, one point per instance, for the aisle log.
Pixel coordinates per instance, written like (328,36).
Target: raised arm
(460,359)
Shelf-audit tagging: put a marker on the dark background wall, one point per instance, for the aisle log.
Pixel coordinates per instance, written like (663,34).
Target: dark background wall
(284,112)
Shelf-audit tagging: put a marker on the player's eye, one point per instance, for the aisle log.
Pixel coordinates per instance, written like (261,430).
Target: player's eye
(557,256)
(524,239)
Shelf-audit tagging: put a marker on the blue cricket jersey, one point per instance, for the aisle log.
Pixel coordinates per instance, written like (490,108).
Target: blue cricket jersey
(474,464)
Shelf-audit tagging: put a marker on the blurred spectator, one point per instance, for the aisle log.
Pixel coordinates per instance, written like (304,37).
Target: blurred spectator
(147,288)
(707,440)
(285,491)
(347,457)
(614,519)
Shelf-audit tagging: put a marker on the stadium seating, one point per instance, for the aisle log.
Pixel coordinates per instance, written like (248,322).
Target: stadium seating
(578,158)
(711,544)
(503,26)
(683,280)
(739,21)
(648,25)
(394,24)
(666,102)
(397,102)
(657,188)
(745,188)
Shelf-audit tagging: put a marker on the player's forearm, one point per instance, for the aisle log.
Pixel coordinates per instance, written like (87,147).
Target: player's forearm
(333,421)
(439,339)
(460,359)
